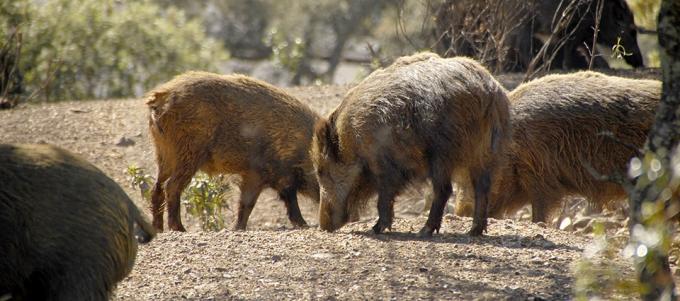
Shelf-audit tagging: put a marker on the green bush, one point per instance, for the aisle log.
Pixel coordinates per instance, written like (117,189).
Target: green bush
(140,180)
(205,198)
(108,48)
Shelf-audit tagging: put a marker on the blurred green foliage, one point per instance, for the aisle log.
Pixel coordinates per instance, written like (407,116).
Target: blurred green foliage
(596,275)
(645,12)
(596,278)
(287,52)
(106,48)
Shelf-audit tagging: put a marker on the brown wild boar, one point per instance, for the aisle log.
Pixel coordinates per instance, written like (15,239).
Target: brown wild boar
(422,117)
(557,121)
(230,124)
(67,230)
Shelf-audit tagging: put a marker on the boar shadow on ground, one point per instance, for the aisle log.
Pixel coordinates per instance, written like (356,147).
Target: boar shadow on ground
(506,241)
(556,271)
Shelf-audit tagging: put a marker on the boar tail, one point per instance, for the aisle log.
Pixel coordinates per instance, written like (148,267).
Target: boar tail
(144,232)
(155,100)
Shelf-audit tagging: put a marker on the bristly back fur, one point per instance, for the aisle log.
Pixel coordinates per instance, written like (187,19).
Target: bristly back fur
(560,123)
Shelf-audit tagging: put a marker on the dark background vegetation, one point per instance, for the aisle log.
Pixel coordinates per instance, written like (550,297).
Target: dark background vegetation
(62,49)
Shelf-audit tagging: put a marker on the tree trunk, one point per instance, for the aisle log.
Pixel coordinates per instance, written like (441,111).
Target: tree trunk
(650,196)
(344,27)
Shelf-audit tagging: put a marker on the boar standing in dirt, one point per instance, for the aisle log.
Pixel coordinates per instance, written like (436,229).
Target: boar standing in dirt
(230,124)
(67,229)
(422,117)
(558,121)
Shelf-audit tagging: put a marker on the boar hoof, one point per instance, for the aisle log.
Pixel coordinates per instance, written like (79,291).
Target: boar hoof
(427,231)
(477,230)
(380,227)
(177,227)
(299,223)
(158,225)
(238,227)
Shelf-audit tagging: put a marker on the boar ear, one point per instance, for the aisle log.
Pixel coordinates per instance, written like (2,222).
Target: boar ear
(327,139)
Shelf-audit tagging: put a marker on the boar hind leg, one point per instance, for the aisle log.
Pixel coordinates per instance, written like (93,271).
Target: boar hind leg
(289,197)
(441,187)
(481,180)
(173,191)
(158,199)
(250,191)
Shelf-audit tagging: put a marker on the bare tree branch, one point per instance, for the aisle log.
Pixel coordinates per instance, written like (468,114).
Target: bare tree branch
(598,18)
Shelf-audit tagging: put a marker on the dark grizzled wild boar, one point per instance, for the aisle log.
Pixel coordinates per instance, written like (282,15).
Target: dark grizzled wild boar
(422,117)
(518,30)
(230,124)
(68,230)
(616,23)
(556,122)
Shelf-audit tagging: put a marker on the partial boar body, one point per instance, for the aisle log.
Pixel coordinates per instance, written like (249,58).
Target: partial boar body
(422,117)
(68,230)
(557,125)
(230,124)
(616,26)
(515,29)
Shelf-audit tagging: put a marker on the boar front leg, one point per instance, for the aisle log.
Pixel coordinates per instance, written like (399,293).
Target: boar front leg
(539,207)
(289,197)
(386,197)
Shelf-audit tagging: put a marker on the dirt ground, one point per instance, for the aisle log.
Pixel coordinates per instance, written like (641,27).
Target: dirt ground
(516,260)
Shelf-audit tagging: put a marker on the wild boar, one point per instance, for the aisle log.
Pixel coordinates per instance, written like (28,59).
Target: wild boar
(617,27)
(509,33)
(68,230)
(422,117)
(558,126)
(230,124)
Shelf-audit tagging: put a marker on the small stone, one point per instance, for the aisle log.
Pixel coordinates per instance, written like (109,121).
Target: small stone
(566,224)
(124,141)
(322,256)
(276,258)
